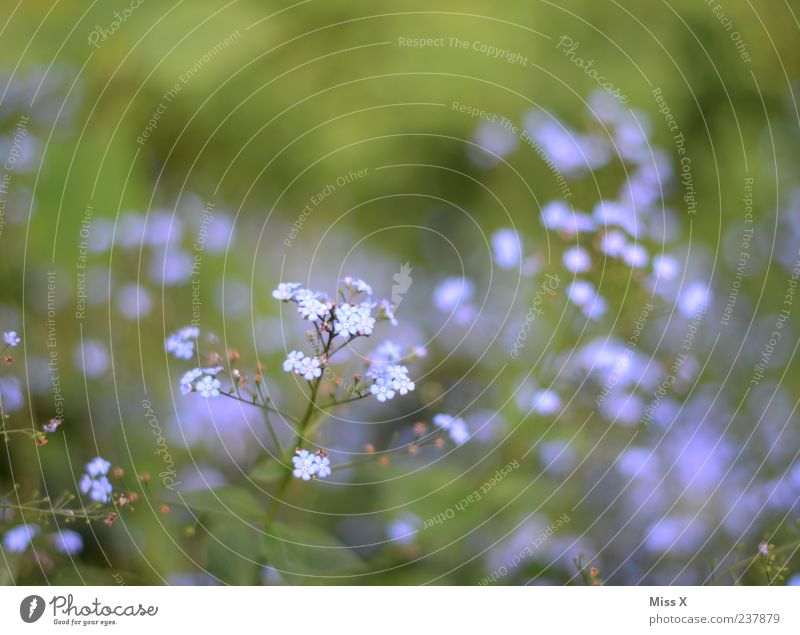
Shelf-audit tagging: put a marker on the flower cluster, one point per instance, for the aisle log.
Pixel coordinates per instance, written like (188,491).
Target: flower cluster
(181,343)
(308,466)
(95,481)
(354,320)
(309,367)
(390,379)
(455,426)
(203,381)
(354,316)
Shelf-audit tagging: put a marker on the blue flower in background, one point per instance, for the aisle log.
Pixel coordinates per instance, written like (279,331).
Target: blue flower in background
(507,249)
(67,542)
(97,467)
(95,483)
(181,344)
(17,539)
(11,338)
(455,426)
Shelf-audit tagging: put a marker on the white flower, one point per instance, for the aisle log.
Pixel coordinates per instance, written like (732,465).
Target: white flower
(208,387)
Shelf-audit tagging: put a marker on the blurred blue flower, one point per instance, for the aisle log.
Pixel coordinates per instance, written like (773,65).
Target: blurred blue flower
(67,542)
(507,248)
(17,539)
(11,338)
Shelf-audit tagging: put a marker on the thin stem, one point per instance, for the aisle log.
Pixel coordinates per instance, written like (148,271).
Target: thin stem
(341,402)
(263,406)
(301,429)
(747,563)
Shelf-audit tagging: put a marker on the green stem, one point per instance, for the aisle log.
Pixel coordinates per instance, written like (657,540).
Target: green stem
(301,429)
(747,563)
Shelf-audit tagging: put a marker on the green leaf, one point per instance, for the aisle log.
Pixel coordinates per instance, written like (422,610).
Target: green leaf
(304,554)
(228,501)
(233,552)
(269,471)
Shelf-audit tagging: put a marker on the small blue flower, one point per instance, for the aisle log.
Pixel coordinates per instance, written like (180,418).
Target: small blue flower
(577,260)
(189,378)
(403,529)
(443,421)
(305,465)
(456,427)
(11,338)
(17,539)
(208,387)
(346,322)
(356,284)
(52,425)
(507,248)
(98,489)
(459,432)
(666,267)
(323,466)
(181,344)
(386,312)
(635,256)
(309,368)
(311,308)
(388,351)
(293,361)
(383,389)
(287,291)
(67,542)
(546,402)
(97,467)
(398,375)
